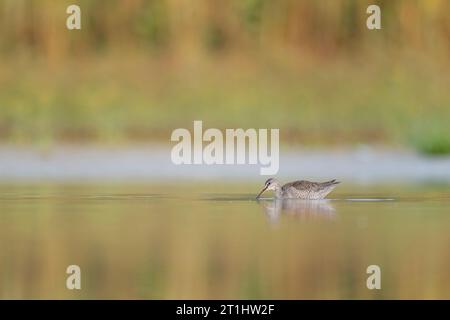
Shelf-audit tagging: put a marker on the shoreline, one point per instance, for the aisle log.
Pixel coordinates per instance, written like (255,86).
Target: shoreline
(359,165)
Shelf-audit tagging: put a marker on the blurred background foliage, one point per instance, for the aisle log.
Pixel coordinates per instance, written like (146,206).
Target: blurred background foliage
(139,68)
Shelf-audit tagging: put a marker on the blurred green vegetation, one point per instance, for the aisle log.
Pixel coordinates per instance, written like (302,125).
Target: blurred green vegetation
(435,142)
(138,69)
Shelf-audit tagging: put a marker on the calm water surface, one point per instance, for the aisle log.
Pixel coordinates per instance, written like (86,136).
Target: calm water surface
(215,241)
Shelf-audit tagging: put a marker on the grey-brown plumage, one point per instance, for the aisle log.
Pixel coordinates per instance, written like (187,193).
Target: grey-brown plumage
(301,189)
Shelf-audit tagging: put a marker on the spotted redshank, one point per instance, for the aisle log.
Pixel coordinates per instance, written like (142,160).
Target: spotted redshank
(299,189)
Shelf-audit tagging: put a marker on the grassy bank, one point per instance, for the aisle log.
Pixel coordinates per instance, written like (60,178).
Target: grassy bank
(138,69)
(384,99)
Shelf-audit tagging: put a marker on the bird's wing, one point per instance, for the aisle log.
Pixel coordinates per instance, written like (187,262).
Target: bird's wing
(310,186)
(329,183)
(302,185)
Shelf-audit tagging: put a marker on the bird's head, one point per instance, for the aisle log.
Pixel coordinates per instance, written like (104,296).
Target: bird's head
(270,184)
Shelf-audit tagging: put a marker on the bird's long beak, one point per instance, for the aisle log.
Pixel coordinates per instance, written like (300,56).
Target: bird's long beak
(262,191)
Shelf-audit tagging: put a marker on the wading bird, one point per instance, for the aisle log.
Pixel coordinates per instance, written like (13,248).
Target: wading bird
(299,189)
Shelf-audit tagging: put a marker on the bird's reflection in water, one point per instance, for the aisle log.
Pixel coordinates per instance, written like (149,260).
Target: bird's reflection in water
(302,209)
